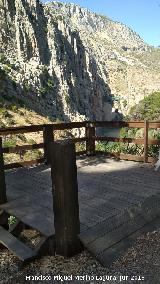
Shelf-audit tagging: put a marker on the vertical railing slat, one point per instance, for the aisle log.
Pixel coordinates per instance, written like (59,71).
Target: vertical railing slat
(90,143)
(3,197)
(48,137)
(146,124)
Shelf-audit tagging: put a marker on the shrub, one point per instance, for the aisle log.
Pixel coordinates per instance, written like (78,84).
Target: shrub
(148,108)
(50,83)
(7,68)
(26,87)
(3,58)
(9,142)
(33,154)
(12,220)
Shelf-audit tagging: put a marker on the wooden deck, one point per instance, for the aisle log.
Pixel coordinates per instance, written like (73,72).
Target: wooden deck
(117,201)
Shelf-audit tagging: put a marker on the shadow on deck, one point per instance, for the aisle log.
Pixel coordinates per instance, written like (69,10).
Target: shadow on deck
(118,200)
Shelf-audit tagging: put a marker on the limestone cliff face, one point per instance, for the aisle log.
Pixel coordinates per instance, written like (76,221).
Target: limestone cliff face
(65,62)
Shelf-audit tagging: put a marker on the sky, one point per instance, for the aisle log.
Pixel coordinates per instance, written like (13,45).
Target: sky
(143,16)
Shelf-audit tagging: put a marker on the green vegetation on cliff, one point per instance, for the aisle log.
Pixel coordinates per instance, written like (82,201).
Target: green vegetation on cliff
(148,108)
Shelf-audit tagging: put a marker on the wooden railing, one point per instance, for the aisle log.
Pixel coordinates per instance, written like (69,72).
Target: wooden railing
(90,138)
(146,125)
(48,131)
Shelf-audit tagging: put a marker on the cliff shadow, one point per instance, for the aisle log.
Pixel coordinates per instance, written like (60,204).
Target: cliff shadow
(81,73)
(38,21)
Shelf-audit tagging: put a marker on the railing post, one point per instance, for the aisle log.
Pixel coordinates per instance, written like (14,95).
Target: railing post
(146,141)
(48,137)
(90,143)
(3,197)
(65,197)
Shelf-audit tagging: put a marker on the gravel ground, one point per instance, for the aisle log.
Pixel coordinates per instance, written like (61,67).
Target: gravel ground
(141,260)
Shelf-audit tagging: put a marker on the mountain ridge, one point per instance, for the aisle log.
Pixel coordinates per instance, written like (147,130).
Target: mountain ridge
(66,62)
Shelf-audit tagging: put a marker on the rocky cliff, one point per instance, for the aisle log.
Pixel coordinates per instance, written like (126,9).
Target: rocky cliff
(65,62)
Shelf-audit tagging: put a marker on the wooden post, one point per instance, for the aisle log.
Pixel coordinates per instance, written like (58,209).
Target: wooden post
(3,197)
(47,138)
(65,197)
(145,141)
(90,143)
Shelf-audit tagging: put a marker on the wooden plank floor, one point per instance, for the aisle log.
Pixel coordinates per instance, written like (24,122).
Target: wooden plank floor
(116,199)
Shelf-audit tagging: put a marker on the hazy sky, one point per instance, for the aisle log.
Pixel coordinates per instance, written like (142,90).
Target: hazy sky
(143,16)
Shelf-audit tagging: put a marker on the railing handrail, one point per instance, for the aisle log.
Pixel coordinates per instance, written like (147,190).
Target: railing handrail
(40,127)
(72,125)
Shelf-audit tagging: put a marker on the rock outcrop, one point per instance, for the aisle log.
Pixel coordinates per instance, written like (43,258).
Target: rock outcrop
(67,63)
